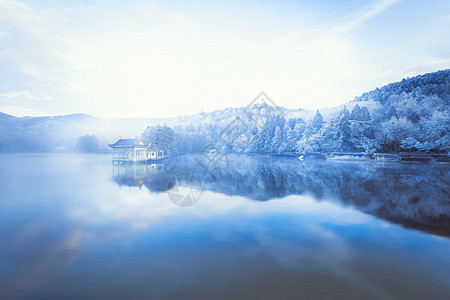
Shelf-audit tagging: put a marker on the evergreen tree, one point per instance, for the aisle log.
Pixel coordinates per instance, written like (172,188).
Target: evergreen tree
(356,113)
(365,115)
(344,134)
(277,140)
(316,123)
(345,113)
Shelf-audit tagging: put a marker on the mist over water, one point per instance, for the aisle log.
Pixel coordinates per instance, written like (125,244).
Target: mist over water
(76,226)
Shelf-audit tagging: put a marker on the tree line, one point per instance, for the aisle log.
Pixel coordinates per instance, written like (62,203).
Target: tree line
(411,115)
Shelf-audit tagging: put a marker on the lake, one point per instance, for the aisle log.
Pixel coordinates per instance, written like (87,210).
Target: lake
(77,227)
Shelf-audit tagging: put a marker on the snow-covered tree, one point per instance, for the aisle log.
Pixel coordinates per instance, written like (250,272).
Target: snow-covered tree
(397,129)
(316,123)
(161,137)
(277,140)
(344,133)
(360,114)
(365,115)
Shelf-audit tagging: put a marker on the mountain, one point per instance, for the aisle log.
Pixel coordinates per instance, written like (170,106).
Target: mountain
(410,115)
(63,133)
(5,116)
(430,84)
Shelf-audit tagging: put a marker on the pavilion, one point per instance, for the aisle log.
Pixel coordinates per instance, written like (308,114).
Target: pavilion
(134,150)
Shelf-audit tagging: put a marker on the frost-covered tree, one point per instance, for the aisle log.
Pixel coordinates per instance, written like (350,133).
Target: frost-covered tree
(241,144)
(316,123)
(161,137)
(409,143)
(265,140)
(360,114)
(397,129)
(356,113)
(434,132)
(390,112)
(344,113)
(365,115)
(344,134)
(412,114)
(293,133)
(277,140)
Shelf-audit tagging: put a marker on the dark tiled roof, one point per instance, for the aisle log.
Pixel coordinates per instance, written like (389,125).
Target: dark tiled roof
(125,143)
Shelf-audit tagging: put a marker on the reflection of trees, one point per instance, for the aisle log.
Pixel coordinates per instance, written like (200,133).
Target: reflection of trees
(136,175)
(415,195)
(161,182)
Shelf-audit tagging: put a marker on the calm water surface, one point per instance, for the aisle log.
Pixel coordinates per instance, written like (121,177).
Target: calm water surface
(75,227)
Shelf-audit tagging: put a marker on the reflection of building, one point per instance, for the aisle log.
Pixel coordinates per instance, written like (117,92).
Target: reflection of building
(134,150)
(135,175)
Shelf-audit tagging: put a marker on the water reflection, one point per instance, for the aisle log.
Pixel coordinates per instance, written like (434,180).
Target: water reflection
(414,195)
(75,227)
(135,175)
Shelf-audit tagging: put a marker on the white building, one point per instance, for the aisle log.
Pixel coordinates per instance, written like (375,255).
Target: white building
(134,150)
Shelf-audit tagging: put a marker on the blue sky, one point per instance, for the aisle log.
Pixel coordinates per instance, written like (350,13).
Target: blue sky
(169,58)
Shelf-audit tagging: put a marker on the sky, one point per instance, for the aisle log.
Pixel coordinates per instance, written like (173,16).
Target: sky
(135,58)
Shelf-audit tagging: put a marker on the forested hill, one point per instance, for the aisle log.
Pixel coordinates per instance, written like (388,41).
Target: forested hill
(5,116)
(410,115)
(437,84)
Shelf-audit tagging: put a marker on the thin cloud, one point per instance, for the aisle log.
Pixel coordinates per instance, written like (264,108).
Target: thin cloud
(366,14)
(22,94)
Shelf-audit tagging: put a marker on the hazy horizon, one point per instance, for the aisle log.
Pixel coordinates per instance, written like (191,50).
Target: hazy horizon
(260,98)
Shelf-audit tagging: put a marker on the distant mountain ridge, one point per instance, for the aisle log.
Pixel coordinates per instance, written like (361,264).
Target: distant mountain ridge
(62,133)
(409,115)
(5,116)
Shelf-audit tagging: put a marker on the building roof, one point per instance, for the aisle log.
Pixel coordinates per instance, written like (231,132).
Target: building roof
(128,143)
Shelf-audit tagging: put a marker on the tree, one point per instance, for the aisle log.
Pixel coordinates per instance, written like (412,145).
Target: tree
(87,144)
(434,133)
(360,114)
(240,145)
(293,133)
(408,106)
(363,136)
(316,123)
(390,112)
(365,115)
(356,113)
(277,140)
(409,143)
(344,113)
(161,137)
(344,134)
(397,129)
(264,139)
